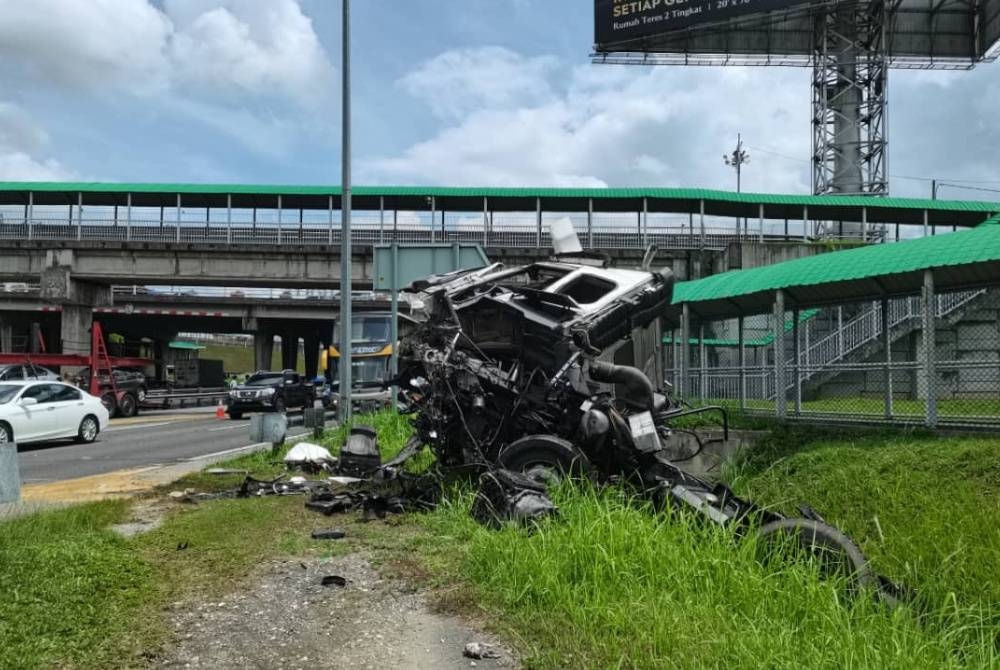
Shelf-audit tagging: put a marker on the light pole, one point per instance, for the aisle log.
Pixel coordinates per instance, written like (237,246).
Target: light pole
(344,409)
(737,160)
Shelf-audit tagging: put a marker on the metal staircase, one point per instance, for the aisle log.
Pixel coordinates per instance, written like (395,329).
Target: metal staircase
(866,328)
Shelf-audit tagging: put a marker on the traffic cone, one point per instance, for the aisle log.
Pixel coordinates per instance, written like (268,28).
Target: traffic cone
(220,411)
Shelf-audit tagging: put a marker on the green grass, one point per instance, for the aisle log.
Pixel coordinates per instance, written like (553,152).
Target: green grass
(70,589)
(240,359)
(963,407)
(608,584)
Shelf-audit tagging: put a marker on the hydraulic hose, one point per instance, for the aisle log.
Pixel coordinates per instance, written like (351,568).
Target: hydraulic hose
(639,387)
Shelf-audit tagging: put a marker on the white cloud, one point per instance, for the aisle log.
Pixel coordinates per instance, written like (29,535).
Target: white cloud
(22,140)
(261,47)
(211,47)
(460,82)
(98,44)
(252,68)
(603,126)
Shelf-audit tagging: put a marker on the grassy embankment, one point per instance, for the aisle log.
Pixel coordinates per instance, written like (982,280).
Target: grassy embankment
(240,359)
(608,584)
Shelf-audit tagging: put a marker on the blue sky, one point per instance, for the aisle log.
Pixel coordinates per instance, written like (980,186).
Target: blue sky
(477,92)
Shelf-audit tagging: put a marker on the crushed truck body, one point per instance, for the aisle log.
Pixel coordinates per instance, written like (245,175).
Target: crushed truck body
(546,370)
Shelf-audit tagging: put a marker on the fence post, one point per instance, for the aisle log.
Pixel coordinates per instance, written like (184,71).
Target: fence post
(279,219)
(674,362)
(930,371)
(741,361)
(701,215)
(780,387)
(840,332)
(538,223)
(381,219)
(887,343)
(702,363)
(79,215)
(433,218)
(685,359)
(760,211)
(645,222)
(329,221)
(30,214)
(796,360)
(590,223)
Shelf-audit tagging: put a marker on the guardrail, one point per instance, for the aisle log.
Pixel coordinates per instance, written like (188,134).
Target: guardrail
(164,399)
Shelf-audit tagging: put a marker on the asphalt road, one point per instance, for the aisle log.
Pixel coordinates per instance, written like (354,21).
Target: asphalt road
(154,438)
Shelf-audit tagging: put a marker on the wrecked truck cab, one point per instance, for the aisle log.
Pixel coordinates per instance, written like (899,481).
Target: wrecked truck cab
(502,353)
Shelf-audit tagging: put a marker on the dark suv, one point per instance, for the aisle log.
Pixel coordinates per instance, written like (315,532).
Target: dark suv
(271,392)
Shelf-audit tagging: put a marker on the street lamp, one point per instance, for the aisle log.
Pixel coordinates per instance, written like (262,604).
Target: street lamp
(737,160)
(345,226)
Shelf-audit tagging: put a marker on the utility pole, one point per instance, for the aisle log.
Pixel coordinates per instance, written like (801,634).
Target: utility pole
(346,259)
(933,189)
(737,160)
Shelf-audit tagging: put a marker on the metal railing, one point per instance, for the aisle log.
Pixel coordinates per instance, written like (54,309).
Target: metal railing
(941,368)
(599,235)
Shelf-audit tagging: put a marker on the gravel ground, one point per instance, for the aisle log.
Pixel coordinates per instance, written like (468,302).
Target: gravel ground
(286,620)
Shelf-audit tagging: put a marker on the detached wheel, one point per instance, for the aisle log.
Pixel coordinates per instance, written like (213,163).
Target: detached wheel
(546,459)
(128,406)
(88,430)
(109,402)
(835,553)
(6,434)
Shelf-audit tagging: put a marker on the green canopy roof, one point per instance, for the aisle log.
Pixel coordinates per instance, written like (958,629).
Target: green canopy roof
(677,200)
(960,260)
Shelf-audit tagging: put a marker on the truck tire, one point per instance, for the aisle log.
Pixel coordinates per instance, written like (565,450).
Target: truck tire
(544,458)
(128,405)
(110,403)
(235,416)
(836,554)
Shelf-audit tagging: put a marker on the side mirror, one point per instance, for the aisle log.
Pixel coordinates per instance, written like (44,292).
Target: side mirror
(28,402)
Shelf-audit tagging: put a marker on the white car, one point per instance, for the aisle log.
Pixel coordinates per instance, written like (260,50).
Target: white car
(41,410)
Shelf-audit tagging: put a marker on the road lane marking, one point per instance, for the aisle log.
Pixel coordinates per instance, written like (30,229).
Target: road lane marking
(215,430)
(115,429)
(237,450)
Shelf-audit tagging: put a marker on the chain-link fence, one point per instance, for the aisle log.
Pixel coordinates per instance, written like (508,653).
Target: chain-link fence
(932,359)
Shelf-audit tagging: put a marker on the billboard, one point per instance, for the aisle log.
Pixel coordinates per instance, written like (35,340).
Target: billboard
(617,21)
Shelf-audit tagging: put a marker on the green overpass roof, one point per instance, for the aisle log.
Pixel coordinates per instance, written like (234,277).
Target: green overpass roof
(960,260)
(461,199)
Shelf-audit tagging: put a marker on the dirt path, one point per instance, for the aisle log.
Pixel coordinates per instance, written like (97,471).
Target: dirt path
(285,619)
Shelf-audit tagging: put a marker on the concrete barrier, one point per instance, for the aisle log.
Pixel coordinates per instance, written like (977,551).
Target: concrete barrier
(10,474)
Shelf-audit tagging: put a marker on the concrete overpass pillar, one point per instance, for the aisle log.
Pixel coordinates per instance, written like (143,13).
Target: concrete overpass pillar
(263,348)
(311,354)
(289,350)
